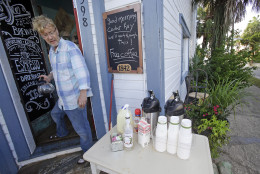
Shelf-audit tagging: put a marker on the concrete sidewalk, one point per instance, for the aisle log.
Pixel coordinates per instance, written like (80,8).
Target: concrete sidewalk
(243,151)
(257,71)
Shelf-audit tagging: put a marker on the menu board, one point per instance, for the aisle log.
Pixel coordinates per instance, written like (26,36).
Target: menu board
(22,46)
(122,28)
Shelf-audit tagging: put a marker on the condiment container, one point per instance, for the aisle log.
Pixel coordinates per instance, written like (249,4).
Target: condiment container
(184,140)
(161,134)
(173,134)
(116,142)
(144,130)
(137,118)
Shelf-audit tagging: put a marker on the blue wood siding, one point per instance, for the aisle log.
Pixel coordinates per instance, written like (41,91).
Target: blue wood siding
(7,162)
(11,120)
(154,46)
(88,49)
(98,9)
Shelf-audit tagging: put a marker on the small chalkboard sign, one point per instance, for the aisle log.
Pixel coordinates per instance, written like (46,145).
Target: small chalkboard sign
(22,46)
(122,28)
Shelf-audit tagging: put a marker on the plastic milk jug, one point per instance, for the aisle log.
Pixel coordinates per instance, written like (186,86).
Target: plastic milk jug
(121,118)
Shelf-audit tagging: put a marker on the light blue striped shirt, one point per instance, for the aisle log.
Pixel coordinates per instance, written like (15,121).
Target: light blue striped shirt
(70,73)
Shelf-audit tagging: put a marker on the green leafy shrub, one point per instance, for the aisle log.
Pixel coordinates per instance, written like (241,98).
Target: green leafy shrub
(228,66)
(224,65)
(218,133)
(203,110)
(222,99)
(198,62)
(227,94)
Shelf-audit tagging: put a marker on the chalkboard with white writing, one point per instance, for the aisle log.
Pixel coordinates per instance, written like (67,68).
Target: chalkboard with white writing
(122,28)
(22,46)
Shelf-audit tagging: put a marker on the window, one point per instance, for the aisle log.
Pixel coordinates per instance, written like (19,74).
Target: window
(184,48)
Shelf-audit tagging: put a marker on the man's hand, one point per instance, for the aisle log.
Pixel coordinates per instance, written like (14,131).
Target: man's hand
(47,78)
(82,101)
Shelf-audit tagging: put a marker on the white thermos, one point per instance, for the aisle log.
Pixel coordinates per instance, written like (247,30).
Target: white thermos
(184,140)
(173,134)
(161,134)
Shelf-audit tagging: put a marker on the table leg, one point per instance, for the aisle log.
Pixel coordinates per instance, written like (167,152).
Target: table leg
(94,168)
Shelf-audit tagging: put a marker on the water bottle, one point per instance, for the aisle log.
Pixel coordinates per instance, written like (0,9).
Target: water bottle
(128,133)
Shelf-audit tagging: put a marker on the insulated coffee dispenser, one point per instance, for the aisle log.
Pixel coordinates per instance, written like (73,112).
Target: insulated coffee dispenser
(174,107)
(45,88)
(151,110)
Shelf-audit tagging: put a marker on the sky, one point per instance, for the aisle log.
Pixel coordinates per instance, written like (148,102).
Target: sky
(248,16)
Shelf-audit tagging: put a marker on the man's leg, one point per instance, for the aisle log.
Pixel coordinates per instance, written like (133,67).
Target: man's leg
(79,121)
(58,117)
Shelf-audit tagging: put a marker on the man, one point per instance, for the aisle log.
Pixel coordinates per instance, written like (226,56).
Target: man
(71,76)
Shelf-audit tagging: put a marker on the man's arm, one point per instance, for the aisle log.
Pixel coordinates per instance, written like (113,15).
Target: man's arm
(47,78)
(82,100)
(81,72)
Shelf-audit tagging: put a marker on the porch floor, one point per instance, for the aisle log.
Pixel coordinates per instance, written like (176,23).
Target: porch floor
(65,164)
(44,137)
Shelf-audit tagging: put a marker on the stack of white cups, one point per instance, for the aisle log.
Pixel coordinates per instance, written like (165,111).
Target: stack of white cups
(173,134)
(161,134)
(184,140)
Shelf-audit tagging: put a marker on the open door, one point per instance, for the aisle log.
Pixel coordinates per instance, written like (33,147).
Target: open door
(25,61)
(62,13)
(27,56)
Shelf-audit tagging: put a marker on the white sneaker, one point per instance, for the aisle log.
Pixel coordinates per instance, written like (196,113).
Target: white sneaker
(81,161)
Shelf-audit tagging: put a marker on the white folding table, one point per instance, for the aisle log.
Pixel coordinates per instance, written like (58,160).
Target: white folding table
(147,160)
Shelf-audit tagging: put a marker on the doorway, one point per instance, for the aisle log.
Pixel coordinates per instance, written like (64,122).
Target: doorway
(61,12)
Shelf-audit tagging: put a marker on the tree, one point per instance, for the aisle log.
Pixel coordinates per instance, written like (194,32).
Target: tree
(204,26)
(224,13)
(251,37)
